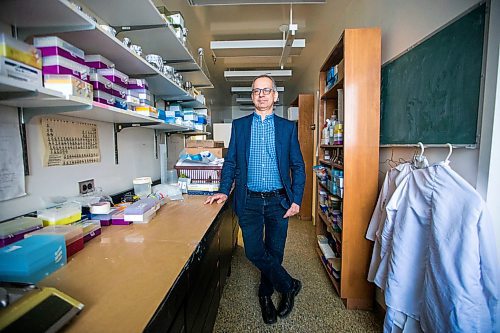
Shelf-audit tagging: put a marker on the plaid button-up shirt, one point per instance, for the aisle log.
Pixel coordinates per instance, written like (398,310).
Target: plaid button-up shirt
(263,174)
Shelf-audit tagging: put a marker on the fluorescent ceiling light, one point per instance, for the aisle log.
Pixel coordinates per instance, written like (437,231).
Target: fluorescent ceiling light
(249,2)
(245,48)
(249,89)
(252,62)
(278,75)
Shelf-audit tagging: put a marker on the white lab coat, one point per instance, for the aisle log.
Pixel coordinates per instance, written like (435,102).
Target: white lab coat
(392,180)
(442,265)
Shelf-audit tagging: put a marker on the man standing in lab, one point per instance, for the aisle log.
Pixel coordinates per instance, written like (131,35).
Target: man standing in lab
(266,165)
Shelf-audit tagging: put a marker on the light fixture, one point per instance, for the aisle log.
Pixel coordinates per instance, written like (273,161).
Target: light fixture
(288,39)
(242,76)
(249,48)
(247,2)
(249,89)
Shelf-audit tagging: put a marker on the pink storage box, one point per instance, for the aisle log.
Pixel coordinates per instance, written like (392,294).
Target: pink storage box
(55,46)
(61,65)
(137,84)
(97,61)
(114,76)
(100,83)
(104,98)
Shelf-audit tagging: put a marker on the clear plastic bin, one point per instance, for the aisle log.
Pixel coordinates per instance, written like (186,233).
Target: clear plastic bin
(97,61)
(114,76)
(55,46)
(72,234)
(19,51)
(62,65)
(64,214)
(142,186)
(14,230)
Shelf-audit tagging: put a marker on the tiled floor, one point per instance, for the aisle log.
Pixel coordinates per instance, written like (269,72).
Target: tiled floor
(318,308)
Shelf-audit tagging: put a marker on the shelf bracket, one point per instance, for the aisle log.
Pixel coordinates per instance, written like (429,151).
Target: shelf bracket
(30,112)
(121,126)
(118,127)
(143,27)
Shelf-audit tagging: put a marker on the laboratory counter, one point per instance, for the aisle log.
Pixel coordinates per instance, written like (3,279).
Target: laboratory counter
(166,275)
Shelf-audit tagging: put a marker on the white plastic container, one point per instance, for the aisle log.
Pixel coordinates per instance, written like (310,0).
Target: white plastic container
(61,65)
(142,186)
(69,85)
(114,76)
(97,61)
(55,46)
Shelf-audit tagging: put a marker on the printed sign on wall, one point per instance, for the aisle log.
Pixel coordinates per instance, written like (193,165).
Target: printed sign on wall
(69,142)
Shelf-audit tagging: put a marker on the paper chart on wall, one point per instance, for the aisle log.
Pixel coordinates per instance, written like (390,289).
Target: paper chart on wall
(11,161)
(69,142)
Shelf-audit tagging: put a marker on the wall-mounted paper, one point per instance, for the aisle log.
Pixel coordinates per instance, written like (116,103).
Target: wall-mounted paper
(11,161)
(69,142)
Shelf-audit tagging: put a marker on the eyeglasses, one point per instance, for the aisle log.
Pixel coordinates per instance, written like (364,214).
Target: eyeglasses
(265,91)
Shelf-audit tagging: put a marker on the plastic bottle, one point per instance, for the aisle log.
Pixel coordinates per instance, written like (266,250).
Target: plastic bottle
(325,132)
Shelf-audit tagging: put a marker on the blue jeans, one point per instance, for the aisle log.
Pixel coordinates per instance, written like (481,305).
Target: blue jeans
(264,233)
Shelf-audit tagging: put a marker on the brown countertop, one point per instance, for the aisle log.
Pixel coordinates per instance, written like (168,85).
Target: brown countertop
(123,275)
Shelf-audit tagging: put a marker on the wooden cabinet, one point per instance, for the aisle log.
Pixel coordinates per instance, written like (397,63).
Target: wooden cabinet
(358,59)
(305,127)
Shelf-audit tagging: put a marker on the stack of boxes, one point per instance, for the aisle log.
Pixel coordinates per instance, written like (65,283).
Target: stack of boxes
(119,82)
(63,67)
(334,74)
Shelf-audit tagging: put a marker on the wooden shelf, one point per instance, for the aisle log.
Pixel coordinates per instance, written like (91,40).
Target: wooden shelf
(326,189)
(359,50)
(336,284)
(335,165)
(331,146)
(332,92)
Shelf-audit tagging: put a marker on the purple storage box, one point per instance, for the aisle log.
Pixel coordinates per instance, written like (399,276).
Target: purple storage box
(104,98)
(14,230)
(140,207)
(100,83)
(61,65)
(97,61)
(114,76)
(119,91)
(119,219)
(55,46)
(104,218)
(92,234)
(137,84)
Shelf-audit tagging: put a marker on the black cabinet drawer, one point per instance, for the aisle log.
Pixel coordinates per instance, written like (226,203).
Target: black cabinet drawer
(171,307)
(213,310)
(211,292)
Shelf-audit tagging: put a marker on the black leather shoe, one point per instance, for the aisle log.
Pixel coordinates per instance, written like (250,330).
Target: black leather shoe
(268,309)
(287,299)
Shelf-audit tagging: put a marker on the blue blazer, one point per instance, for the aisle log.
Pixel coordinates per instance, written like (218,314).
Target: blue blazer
(290,162)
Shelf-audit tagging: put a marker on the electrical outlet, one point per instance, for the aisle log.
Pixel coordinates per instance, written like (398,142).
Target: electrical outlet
(86,186)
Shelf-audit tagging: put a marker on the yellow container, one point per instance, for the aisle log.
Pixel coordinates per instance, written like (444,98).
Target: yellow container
(19,51)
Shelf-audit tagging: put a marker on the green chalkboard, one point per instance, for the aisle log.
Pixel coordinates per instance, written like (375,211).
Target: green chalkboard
(431,93)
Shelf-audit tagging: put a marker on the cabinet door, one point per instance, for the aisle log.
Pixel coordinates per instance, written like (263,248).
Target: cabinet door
(226,240)
(205,265)
(171,308)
